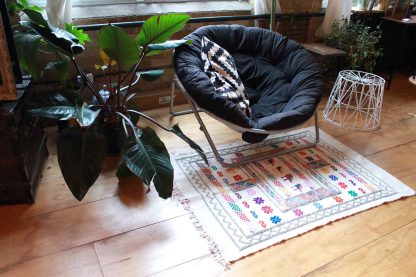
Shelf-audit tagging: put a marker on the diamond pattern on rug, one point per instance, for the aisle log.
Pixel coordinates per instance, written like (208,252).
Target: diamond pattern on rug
(264,202)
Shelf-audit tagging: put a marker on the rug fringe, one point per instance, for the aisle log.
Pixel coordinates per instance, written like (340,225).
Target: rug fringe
(216,253)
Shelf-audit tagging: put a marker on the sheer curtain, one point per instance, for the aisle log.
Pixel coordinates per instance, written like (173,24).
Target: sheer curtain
(265,6)
(336,10)
(59,12)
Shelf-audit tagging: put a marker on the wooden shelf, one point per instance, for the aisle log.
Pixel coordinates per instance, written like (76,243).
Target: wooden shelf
(23,150)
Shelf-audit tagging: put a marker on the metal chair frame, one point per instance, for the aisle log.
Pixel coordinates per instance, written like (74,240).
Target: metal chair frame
(256,157)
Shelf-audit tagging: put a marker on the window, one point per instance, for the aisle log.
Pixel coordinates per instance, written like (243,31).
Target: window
(87,9)
(75,3)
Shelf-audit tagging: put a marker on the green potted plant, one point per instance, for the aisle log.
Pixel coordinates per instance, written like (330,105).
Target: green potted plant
(36,56)
(359,41)
(33,49)
(82,148)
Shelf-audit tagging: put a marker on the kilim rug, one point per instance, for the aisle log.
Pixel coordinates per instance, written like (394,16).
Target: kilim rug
(245,209)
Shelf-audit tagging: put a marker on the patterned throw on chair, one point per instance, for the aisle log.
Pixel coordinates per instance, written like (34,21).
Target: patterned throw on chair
(219,65)
(245,209)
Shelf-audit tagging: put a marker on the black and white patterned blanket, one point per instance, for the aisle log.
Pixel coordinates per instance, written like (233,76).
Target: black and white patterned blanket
(219,65)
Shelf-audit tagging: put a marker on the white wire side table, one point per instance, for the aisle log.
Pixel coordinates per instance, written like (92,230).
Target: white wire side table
(355,101)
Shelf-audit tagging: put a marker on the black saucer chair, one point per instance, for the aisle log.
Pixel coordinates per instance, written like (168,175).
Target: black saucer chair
(282,80)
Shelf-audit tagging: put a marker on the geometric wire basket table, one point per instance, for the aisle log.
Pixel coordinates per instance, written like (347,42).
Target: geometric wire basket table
(355,101)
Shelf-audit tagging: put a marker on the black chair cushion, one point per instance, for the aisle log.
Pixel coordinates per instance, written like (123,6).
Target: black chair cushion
(282,80)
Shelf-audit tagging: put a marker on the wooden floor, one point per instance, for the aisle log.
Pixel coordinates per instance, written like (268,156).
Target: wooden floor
(119,230)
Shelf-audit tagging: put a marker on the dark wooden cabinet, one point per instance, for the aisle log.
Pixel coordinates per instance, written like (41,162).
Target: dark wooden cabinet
(22,150)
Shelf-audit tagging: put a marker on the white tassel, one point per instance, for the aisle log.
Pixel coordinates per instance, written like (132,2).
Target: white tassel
(212,245)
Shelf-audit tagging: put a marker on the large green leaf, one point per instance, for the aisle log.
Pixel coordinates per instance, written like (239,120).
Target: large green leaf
(17,6)
(158,48)
(124,172)
(170,44)
(150,75)
(81,153)
(78,33)
(148,158)
(177,131)
(58,37)
(27,47)
(36,17)
(85,116)
(159,28)
(67,45)
(57,112)
(62,36)
(118,45)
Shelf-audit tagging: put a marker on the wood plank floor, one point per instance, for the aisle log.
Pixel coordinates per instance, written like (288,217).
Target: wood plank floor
(119,230)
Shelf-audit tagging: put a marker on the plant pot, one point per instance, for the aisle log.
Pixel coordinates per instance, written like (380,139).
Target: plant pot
(115,139)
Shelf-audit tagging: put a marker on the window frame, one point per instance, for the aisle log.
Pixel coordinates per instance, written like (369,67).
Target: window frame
(86,3)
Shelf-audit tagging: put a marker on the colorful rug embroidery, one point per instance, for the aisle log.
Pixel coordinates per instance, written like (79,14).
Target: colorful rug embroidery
(248,208)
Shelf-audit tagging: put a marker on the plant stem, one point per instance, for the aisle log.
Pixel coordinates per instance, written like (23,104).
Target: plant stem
(128,73)
(124,88)
(118,87)
(140,143)
(109,77)
(273,15)
(87,81)
(110,97)
(150,119)
(126,119)
(134,73)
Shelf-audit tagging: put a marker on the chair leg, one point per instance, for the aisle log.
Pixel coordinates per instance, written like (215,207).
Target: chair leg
(256,157)
(217,155)
(172,99)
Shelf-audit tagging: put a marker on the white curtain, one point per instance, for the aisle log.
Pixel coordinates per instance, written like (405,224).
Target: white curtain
(59,12)
(336,10)
(265,6)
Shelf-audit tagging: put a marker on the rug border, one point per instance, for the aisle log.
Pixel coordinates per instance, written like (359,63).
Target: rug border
(224,253)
